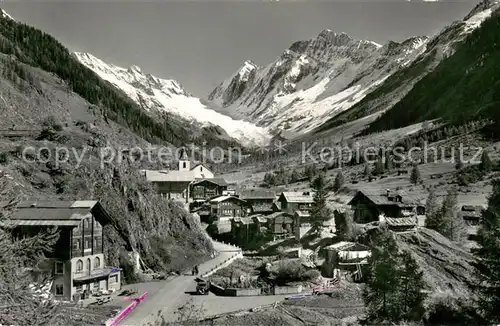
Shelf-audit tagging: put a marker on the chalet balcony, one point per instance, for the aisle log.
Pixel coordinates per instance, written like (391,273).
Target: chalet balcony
(97,273)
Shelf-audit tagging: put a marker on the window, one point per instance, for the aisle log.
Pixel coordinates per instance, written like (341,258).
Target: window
(95,285)
(79,288)
(87,243)
(79,265)
(86,223)
(184,165)
(201,168)
(59,289)
(59,268)
(76,244)
(113,279)
(97,242)
(97,262)
(89,264)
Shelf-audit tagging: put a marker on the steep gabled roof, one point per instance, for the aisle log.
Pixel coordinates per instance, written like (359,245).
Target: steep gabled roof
(200,164)
(217,181)
(257,194)
(183,155)
(224,198)
(55,213)
(298,197)
(381,198)
(169,176)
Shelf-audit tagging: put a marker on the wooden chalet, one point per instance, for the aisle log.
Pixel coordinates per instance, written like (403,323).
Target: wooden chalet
(472,214)
(227,207)
(77,263)
(289,202)
(204,189)
(281,225)
(369,206)
(259,200)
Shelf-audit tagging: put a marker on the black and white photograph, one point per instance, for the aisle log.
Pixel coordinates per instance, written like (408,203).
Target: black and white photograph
(249,162)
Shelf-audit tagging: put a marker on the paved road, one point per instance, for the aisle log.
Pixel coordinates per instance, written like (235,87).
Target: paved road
(168,295)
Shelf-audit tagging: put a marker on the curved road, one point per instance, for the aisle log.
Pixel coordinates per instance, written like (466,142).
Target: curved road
(169,295)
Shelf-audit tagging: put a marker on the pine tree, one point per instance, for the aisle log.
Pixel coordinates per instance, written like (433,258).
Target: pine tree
(455,227)
(18,305)
(485,164)
(378,168)
(489,254)
(339,181)
(394,288)
(294,176)
(380,294)
(344,225)
(389,164)
(412,283)
(310,172)
(431,206)
(270,179)
(367,171)
(415,175)
(320,211)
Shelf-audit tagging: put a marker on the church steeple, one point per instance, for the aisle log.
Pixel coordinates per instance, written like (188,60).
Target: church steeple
(184,164)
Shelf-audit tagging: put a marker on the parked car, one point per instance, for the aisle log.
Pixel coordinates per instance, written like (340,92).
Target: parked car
(202,286)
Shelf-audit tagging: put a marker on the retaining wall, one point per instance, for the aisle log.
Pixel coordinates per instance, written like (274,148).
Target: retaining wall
(287,289)
(242,292)
(225,263)
(234,292)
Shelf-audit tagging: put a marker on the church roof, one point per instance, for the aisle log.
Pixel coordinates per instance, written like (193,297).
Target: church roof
(183,155)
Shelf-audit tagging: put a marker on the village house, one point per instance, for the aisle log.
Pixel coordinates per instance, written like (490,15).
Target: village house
(176,184)
(289,202)
(77,263)
(281,225)
(227,207)
(259,200)
(472,214)
(204,189)
(344,255)
(371,206)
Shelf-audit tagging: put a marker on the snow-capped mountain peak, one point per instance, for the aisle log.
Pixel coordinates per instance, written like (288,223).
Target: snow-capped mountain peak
(246,70)
(312,80)
(167,95)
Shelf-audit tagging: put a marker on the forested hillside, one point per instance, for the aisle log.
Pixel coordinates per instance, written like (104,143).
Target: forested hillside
(463,87)
(38,49)
(61,114)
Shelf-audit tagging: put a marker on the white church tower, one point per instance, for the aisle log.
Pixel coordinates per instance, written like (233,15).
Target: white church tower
(184,163)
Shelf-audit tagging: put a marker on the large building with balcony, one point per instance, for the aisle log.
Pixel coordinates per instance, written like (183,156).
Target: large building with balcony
(77,262)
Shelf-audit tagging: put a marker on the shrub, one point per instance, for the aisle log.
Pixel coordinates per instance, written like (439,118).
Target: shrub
(3,158)
(293,271)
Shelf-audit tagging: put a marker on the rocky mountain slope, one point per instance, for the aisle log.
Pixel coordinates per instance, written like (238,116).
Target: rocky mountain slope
(154,94)
(394,88)
(463,87)
(312,80)
(44,90)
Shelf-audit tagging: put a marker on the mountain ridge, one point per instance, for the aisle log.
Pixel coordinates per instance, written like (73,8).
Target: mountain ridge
(167,95)
(311,81)
(440,46)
